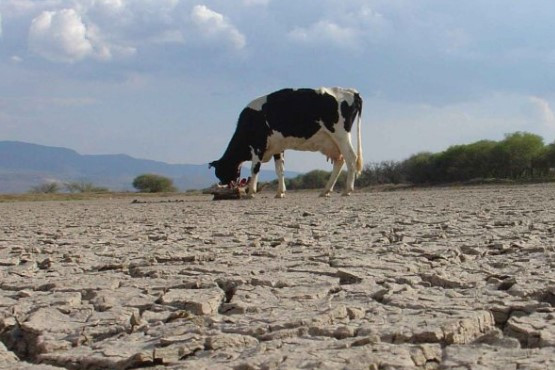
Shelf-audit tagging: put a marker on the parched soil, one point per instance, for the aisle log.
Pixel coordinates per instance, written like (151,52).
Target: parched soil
(443,278)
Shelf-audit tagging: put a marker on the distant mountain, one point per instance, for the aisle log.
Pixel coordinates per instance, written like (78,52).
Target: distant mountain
(23,165)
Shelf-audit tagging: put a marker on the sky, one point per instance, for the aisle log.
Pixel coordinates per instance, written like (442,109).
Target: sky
(167,79)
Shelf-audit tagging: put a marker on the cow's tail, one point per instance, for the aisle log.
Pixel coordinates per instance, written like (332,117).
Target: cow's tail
(360,162)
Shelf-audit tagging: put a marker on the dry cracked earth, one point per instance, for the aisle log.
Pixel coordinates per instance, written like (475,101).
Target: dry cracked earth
(422,279)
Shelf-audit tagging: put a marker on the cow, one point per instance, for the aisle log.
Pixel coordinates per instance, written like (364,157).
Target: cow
(298,119)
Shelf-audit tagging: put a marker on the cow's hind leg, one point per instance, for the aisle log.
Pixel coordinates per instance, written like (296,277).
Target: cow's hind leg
(280,168)
(337,166)
(350,159)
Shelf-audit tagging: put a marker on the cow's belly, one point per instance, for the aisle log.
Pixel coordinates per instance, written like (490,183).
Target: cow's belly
(319,142)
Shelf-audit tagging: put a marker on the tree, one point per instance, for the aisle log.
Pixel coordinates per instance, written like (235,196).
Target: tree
(544,162)
(420,168)
(465,162)
(515,154)
(452,164)
(481,160)
(151,183)
(520,155)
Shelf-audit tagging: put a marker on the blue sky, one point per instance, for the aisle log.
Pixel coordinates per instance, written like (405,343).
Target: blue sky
(166,79)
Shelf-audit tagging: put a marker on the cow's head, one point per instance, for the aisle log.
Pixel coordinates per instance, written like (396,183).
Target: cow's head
(226,172)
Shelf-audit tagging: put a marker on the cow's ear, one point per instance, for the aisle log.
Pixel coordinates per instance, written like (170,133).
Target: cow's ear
(212,164)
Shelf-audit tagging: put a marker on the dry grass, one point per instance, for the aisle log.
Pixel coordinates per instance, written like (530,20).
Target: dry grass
(30,197)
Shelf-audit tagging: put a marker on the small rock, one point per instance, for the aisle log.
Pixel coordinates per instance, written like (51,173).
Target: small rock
(355,313)
(24,293)
(343,332)
(346,277)
(223,341)
(196,301)
(45,264)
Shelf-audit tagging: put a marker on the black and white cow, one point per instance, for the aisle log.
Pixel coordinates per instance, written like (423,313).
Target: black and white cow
(299,119)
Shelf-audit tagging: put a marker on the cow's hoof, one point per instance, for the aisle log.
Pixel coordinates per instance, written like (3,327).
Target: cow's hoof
(346,194)
(249,196)
(325,194)
(280,195)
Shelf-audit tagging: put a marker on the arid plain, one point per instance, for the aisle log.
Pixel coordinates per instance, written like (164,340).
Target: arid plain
(429,278)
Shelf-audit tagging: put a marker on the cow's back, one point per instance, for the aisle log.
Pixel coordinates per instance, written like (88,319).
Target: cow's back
(298,112)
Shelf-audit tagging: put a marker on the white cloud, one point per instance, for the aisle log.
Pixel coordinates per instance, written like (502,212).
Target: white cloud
(256,2)
(137,11)
(60,36)
(215,26)
(343,26)
(131,25)
(63,36)
(326,32)
(18,8)
(544,110)
(70,31)
(112,6)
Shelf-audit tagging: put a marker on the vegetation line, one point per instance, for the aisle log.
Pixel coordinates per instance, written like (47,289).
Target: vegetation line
(520,157)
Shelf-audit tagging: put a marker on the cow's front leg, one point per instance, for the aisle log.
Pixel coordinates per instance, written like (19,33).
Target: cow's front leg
(280,169)
(255,169)
(337,166)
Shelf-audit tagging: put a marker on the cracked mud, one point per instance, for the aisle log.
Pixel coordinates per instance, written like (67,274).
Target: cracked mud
(424,279)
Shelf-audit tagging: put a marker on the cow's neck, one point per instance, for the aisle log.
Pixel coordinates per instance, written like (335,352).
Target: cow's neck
(230,161)
(237,152)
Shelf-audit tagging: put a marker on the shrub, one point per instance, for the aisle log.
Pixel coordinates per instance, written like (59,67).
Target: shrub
(419,168)
(520,155)
(516,154)
(385,172)
(45,188)
(84,187)
(151,183)
(311,180)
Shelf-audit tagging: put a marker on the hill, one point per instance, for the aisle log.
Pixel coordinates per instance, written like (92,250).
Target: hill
(23,165)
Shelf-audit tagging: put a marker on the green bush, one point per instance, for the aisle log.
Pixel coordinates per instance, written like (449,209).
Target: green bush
(311,180)
(420,168)
(151,183)
(520,155)
(385,172)
(516,154)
